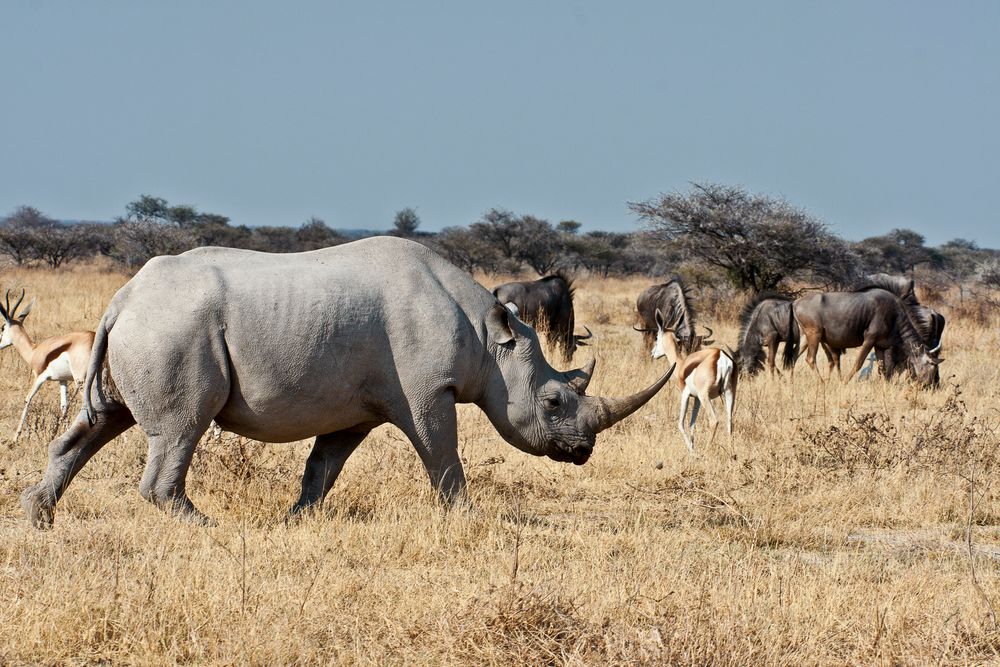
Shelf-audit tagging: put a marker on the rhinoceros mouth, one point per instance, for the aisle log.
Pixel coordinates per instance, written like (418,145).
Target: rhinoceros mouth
(577,455)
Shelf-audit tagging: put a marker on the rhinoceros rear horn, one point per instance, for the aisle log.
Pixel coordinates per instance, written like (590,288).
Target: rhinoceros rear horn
(579,378)
(605,412)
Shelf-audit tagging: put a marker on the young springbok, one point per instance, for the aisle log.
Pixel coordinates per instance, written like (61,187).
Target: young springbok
(60,359)
(708,373)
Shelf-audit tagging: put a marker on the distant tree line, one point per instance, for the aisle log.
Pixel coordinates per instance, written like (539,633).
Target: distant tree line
(711,234)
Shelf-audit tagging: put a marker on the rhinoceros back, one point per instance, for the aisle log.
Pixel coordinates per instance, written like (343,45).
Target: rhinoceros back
(293,345)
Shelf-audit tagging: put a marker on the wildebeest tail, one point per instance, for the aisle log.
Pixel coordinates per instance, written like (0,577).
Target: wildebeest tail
(792,339)
(97,356)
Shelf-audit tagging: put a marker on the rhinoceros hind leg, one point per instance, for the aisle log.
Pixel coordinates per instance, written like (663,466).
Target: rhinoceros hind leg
(164,481)
(329,454)
(67,455)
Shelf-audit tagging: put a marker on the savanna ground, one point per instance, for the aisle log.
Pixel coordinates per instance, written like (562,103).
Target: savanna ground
(832,528)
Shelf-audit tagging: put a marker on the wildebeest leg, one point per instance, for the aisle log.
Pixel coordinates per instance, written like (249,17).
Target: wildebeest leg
(434,434)
(685,396)
(866,347)
(772,353)
(164,482)
(812,347)
(329,453)
(832,360)
(884,363)
(67,455)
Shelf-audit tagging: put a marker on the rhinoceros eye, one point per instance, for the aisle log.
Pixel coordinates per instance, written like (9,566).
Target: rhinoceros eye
(552,403)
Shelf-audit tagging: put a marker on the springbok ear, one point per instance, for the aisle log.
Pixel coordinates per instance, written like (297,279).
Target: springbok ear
(658,316)
(498,324)
(27,309)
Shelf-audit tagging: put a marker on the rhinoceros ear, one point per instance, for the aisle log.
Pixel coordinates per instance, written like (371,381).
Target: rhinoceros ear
(498,324)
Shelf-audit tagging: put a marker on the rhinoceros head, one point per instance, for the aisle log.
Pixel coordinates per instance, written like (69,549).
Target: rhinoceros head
(543,411)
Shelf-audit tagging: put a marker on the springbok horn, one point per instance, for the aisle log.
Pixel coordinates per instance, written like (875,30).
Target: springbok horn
(579,338)
(13,311)
(709,330)
(605,412)
(579,378)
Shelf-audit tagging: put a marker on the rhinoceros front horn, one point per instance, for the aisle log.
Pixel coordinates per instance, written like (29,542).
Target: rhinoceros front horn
(605,412)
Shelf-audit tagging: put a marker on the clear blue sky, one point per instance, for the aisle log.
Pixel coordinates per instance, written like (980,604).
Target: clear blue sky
(871,115)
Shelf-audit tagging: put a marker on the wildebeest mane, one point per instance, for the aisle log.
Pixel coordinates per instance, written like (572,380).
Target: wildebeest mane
(901,286)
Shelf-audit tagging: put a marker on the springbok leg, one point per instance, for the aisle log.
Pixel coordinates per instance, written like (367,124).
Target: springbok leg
(39,381)
(685,397)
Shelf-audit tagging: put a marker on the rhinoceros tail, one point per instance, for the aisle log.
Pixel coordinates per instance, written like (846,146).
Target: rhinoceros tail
(97,356)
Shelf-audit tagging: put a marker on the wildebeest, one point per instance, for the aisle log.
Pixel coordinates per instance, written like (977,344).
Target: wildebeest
(870,319)
(547,305)
(329,343)
(765,322)
(674,303)
(61,359)
(706,374)
(930,323)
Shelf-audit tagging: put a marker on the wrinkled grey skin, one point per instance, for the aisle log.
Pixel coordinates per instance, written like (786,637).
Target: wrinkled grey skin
(329,343)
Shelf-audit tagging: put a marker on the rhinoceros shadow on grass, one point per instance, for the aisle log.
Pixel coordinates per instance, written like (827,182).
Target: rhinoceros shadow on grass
(329,343)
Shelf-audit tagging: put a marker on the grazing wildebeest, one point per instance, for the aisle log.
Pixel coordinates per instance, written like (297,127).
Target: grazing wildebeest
(329,343)
(674,303)
(547,305)
(61,359)
(766,321)
(706,374)
(870,319)
(930,323)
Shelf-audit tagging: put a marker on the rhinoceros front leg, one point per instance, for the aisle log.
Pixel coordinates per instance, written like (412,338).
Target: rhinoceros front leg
(67,455)
(433,430)
(329,454)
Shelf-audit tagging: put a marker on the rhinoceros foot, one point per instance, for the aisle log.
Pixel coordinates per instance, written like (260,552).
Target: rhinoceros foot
(39,505)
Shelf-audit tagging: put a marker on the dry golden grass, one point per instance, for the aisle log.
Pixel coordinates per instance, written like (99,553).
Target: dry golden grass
(831,529)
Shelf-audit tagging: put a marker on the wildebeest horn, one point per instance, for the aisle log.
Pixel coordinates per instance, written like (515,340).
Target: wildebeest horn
(709,330)
(606,412)
(936,349)
(579,378)
(642,330)
(579,338)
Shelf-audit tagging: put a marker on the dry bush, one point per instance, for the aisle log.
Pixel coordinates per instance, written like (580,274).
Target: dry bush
(834,527)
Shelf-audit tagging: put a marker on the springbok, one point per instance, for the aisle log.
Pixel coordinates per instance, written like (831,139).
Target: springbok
(708,373)
(60,359)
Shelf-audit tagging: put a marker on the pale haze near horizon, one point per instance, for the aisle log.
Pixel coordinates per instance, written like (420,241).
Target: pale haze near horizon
(871,116)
